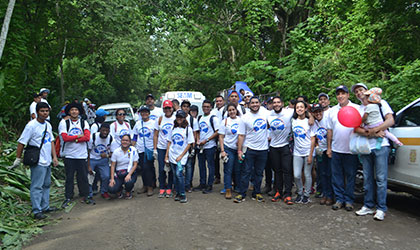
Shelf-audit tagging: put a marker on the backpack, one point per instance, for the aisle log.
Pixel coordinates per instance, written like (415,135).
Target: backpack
(82,124)
(211,123)
(126,124)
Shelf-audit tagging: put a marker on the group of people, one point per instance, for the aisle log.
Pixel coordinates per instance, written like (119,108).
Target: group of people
(248,139)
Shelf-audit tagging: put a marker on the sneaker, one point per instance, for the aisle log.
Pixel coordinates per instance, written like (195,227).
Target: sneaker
(223,191)
(177,197)
(120,195)
(238,199)
(162,193)
(337,205)
(200,187)
(88,200)
(298,199)
(189,190)
(379,215)
(364,211)
(106,196)
(66,203)
(208,190)
(288,200)
(318,195)
(128,195)
(259,198)
(183,198)
(349,207)
(169,193)
(305,200)
(40,216)
(276,197)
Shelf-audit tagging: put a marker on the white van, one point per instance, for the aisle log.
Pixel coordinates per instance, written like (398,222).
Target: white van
(195,98)
(111,108)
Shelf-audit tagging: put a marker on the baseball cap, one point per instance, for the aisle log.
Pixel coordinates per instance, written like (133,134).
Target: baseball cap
(360,84)
(181,113)
(150,96)
(86,100)
(323,94)
(167,104)
(35,95)
(342,88)
(194,108)
(101,112)
(316,107)
(44,90)
(248,93)
(144,108)
(185,102)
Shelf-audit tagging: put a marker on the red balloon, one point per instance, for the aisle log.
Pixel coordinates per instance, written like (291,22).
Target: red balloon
(349,117)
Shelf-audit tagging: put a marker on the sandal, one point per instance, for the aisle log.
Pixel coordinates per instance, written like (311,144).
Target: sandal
(288,200)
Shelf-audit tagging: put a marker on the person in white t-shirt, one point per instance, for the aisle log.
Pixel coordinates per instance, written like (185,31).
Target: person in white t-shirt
(38,133)
(98,159)
(75,134)
(343,163)
(180,139)
(253,134)
(323,161)
(228,140)
(220,105)
(119,128)
(164,125)
(32,107)
(234,98)
(279,153)
(209,127)
(123,169)
(44,94)
(100,118)
(143,133)
(155,112)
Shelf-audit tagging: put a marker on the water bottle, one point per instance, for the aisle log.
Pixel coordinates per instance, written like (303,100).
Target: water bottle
(179,167)
(243,154)
(379,142)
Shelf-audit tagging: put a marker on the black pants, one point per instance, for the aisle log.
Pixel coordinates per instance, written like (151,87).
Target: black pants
(217,163)
(148,172)
(80,167)
(281,160)
(268,172)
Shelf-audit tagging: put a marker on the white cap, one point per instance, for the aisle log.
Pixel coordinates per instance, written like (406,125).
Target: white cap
(44,90)
(248,93)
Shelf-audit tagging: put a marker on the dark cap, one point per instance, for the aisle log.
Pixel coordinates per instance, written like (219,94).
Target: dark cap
(181,113)
(269,100)
(35,95)
(74,105)
(342,88)
(194,108)
(144,108)
(316,107)
(186,102)
(150,96)
(323,94)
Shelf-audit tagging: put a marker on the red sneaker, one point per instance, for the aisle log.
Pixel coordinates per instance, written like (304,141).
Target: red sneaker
(106,196)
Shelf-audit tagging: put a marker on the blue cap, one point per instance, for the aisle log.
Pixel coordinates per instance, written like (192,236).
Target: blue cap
(101,112)
(342,88)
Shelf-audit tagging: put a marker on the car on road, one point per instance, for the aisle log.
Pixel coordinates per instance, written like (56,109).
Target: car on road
(112,107)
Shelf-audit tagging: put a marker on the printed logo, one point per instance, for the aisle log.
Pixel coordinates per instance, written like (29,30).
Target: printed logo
(75,131)
(277,124)
(321,134)
(145,132)
(259,124)
(101,148)
(178,139)
(124,132)
(299,132)
(47,138)
(153,117)
(234,128)
(166,128)
(204,127)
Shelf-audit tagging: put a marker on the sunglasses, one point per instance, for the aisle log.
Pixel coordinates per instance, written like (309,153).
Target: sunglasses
(121,114)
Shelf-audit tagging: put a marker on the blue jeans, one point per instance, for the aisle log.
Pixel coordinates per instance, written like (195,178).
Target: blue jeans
(100,166)
(119,182)
(254,165)
(324,166)
(232,166)
(375,169)
(40,188)
(189,171)
(207,155)
(343,170)
(147,169)
(162,173)
(179,179)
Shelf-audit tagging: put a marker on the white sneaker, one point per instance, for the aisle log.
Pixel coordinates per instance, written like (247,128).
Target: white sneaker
(379,215)
(364,211)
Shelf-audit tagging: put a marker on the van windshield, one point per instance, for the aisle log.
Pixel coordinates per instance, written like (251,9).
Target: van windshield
(112,116)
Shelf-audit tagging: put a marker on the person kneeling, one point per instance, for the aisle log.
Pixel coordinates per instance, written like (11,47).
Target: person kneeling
(123,169)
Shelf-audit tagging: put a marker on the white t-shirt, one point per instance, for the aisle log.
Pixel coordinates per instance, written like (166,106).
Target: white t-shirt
(217,112)
(117,131)
(341,134)
(32,110)
(45,100)
(179,141)
(229,127)
(164,128)
(254,127)
(95,127)
(280,127)
(374,114)
(302,134)
(155,113)
(32,135)
(206,130)
(101,145)
(143,132)
(195,126)
(122,158)
(319,129)
(386,109)
(73,150)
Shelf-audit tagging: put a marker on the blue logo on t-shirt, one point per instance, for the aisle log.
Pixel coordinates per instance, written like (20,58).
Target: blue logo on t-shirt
(178,139)
(234,128)
(321,134)
(75,131)
(123,132)
(101,148)
(166,128)
(204,127)
(259,124)
(145,132)
(277,124)
(153,117)
(47,138)
(299,132)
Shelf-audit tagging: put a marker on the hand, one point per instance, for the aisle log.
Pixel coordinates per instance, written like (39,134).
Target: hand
(372,132)
(166,159)
(240,155)
(80,136)
(223,154)
(90,170)
(155,153)
(178,159)
(55,162)
(16,163)
(111,182)
(127,178)
(104,155)
(329,153)
(380,133)
(202,143)
(309,159)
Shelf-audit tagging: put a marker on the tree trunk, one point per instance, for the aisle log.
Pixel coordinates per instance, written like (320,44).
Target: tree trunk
(61,71)
(6,23)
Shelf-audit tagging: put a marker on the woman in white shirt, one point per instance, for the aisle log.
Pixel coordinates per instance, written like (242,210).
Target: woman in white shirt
(180,139)
(228,141)
(123,168)
(302,134)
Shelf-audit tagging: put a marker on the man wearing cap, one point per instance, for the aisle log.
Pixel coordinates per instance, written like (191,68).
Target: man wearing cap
(101,115)
(155,112)
(44,94)
(375,164)
(343,163)
(324,101)
(75,134)
(247,97)
(32,107)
